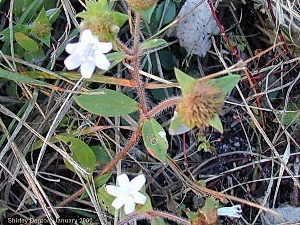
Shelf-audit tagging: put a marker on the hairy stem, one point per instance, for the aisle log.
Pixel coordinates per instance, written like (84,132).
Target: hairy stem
(123,47)
(163,105)
(132,141)
(135,58)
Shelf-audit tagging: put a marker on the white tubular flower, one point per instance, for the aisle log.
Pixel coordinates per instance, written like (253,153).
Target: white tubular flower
(234,211)
(127,193)
(87,53)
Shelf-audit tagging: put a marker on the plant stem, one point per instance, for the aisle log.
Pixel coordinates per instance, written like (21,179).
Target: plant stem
(135,58)
(132,141)
(123,47)
(162,106)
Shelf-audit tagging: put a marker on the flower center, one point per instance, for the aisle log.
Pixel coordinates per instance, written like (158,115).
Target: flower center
(88,53)
(127,192)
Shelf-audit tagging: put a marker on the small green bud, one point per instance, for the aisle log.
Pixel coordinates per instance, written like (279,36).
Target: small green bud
(114,29)
(41,29)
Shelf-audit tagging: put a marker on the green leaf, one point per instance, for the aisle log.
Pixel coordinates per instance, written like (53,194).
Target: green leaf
(155,140)
(210,203)
(106,200)
(53,14)
(177,126)
(209,209)
(86,216)
(34,7)
(186,82)
(119,18)
(20,78)
(102,179)
(226,83)
(205,145)
(81,153)
(192,216)
(95,7)
(101,154)
(160,94)
(202,183)
(170,12)
(18,7)
(5,34)
(145,207)
(39,143)
(167,59)
(41,18)
(115,58)
(35,56)
(289,118)
(158,221)
(41,28)
(99,181)
(216,123)
(2,210)
(107,103)
(147,13)
(153,43)
(26,42)
(12,90)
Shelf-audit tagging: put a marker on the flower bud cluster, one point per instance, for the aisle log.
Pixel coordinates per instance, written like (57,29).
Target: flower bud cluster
(104,26)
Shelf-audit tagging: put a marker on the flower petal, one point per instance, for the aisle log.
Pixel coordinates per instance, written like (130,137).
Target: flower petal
(123,180)
(87,68)
(103,47)
(101,61)
(73,61)
(129,207)
(118,202)
(139,198)
(138,182)
(88,37)
(233,211)
(114,190)
(72,48)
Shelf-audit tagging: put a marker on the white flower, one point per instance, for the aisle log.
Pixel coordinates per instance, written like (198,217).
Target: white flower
(87,53)
(234,211)
(127,193)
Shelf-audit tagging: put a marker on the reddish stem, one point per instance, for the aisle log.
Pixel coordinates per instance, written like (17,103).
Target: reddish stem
(222,31)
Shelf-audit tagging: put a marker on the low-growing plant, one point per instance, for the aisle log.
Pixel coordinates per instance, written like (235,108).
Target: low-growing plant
(99,52)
